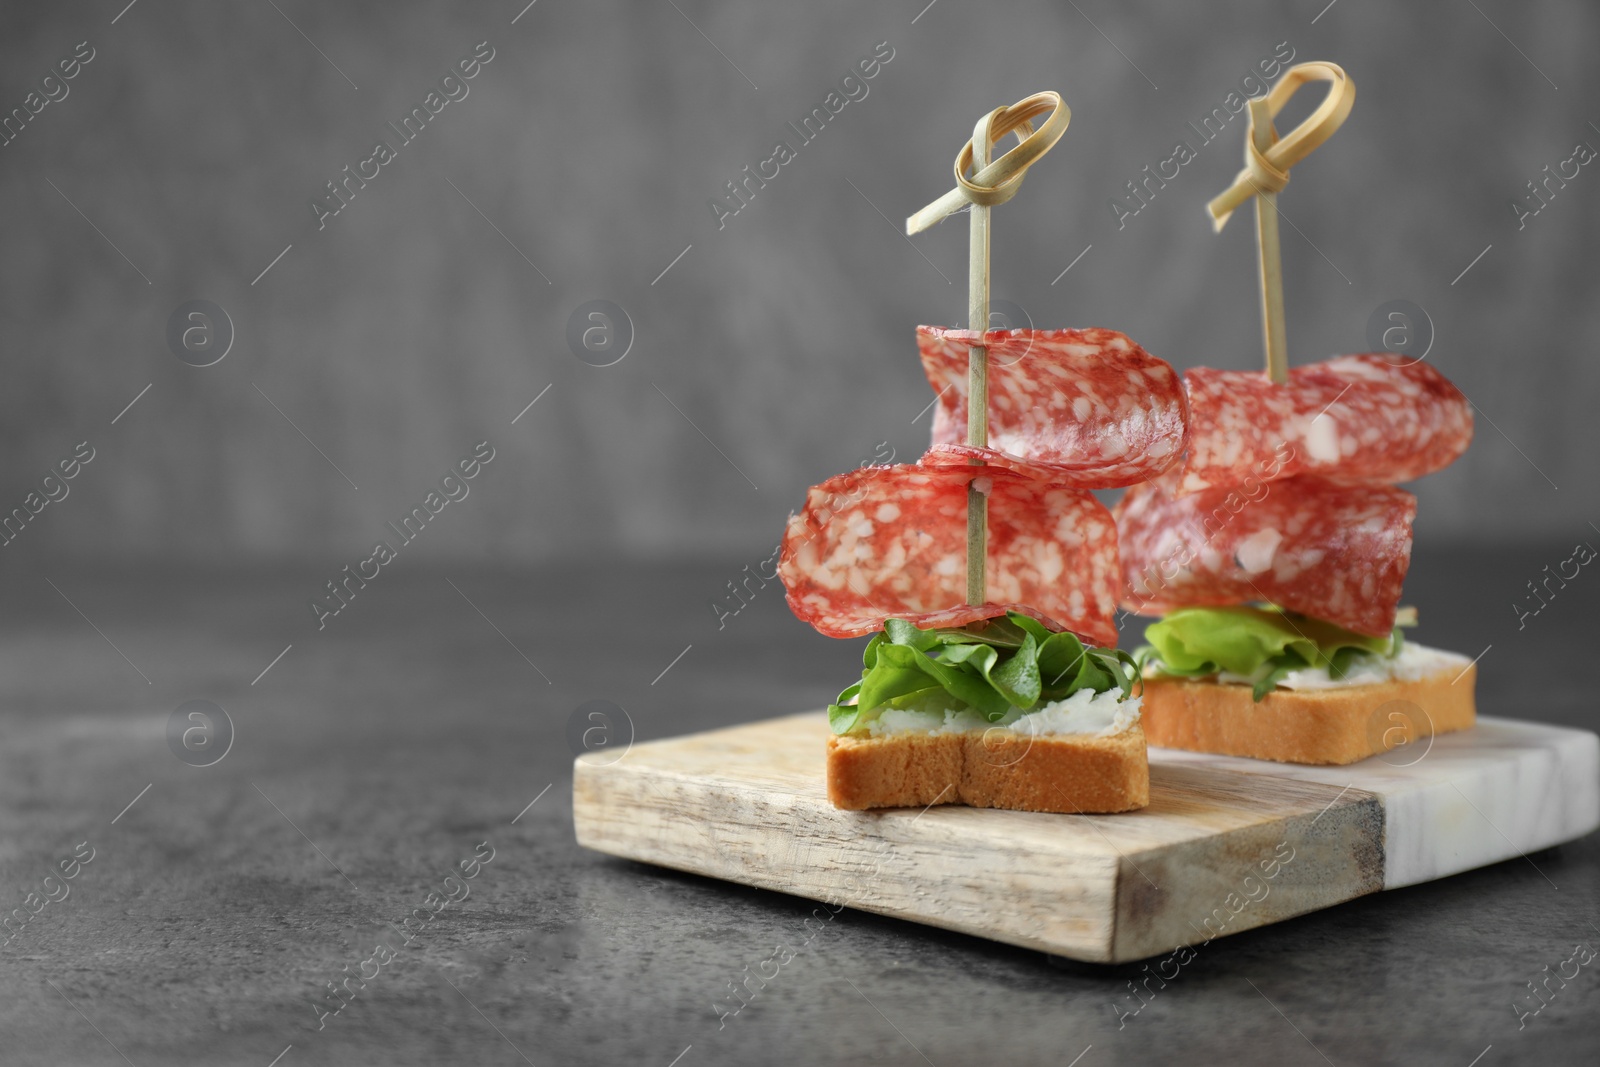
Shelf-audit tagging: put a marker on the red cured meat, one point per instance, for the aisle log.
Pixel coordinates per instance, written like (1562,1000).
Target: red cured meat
(1359,420)
(1335,552)
(1085,408)
(890,542)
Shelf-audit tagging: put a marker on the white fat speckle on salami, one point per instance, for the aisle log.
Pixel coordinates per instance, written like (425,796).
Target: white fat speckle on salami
(1052,552)
(1335,552)
(1085,408)
(1358,420)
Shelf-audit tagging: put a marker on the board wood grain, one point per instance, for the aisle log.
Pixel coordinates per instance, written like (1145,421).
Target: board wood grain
(1225,845)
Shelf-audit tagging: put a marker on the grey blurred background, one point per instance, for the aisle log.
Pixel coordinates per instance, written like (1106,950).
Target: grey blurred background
(433,308)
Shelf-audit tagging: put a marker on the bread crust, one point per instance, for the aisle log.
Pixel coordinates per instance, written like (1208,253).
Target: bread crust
(1320,726)
(994,769)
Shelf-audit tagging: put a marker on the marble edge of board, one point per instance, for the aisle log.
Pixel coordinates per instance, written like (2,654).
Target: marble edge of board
(1483,807)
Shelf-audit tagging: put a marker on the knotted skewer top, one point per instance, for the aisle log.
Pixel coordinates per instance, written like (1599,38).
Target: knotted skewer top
(1267,171)
(997,182)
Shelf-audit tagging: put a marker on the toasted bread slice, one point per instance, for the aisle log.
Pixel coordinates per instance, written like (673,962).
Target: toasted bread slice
(997,768)
(1325,726)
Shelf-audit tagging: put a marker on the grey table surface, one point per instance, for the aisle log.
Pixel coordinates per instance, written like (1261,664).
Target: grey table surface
(380,751)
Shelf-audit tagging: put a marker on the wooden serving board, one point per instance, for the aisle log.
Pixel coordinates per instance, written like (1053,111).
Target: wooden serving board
(1227,844)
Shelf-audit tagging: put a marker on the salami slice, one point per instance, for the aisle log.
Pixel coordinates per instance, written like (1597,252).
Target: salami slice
(890,542)
(1085,408)
(1335,552)
(1359,420)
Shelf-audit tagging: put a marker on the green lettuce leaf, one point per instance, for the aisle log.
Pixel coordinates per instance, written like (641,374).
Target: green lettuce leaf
(843,713)
(1261,642)
(989,667)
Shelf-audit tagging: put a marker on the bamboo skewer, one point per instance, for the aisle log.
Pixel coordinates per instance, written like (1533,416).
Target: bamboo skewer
(978,373)
(1266,172)
(1269,254)
(992,182)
